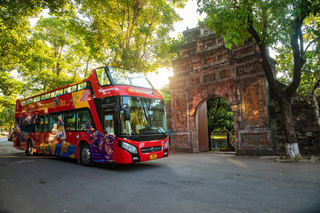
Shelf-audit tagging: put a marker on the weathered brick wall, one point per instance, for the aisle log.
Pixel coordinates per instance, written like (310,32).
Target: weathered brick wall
(307,130)
(206,69)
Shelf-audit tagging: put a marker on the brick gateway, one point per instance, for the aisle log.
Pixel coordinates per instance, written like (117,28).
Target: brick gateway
(206,69)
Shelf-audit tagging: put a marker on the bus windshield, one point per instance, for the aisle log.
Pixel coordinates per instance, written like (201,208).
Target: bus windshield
(147,116)
(129,77)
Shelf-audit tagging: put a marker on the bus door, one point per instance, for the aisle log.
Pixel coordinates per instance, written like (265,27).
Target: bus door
(69,121)
(53,132)
(108,128)
(43,138)
(36,138)
(108,120)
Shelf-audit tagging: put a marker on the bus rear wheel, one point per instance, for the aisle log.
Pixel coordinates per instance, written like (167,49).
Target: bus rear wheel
(29,149)
(86,155)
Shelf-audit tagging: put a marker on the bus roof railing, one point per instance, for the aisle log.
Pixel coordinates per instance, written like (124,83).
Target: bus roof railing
(56,92)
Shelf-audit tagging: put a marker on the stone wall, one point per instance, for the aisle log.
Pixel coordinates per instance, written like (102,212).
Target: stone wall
(307,130)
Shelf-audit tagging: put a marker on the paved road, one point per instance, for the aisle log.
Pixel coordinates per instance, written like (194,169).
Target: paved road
(202,182)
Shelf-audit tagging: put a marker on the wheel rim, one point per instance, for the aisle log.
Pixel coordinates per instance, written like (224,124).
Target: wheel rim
(86,155)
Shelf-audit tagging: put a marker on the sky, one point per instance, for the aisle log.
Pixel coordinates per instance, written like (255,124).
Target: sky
(190,20)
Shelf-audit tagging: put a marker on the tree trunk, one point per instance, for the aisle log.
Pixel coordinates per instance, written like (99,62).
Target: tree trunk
(292,148)
(282,92)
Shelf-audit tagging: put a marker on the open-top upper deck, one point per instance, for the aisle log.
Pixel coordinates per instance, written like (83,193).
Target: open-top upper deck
(102,82)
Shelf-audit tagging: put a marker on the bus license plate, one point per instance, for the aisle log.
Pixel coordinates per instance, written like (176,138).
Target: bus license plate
(153,157)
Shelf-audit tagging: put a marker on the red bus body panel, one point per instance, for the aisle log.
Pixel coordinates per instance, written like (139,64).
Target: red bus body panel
(104,148)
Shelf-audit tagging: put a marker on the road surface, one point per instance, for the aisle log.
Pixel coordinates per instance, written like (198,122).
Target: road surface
(204,182)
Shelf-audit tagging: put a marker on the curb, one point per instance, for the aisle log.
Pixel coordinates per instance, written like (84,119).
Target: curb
(312,159)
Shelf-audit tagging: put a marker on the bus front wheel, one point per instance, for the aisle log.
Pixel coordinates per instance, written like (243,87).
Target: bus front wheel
(29,149)
(86,155)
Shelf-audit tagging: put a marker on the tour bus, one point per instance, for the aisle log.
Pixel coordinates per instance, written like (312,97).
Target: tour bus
(113,116)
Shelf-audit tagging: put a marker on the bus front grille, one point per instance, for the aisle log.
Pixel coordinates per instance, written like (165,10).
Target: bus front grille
(151,149)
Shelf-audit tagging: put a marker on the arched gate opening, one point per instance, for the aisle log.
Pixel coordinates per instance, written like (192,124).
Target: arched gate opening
(214,124)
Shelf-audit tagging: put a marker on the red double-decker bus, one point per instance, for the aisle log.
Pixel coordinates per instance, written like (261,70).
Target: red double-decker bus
(114,116)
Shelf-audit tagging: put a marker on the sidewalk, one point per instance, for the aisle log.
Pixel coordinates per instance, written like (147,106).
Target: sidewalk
(6,147)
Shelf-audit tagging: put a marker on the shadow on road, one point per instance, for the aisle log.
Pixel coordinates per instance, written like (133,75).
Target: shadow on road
(63,160)
(126,167)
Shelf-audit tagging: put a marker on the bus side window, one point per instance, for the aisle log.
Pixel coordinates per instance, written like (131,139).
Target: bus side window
(36,99)
(69,121)
(67,90)
(53,94)
(53,123)
(30,101)
(41,123)
(74,88)
(28,124)
(83,117)
(82,85)
(59,92)
(23,124)
(37,123)
(46,123)
(45,96)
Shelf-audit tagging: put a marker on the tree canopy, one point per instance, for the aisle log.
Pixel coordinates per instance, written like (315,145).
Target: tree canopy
(129,33)
(309,87)
(78,36)
(220,115)
(15,30)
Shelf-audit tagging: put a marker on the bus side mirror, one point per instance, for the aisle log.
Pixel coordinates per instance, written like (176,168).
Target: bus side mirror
(126,111)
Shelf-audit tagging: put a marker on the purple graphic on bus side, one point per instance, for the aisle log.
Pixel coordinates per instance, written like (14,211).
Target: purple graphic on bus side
(101,145)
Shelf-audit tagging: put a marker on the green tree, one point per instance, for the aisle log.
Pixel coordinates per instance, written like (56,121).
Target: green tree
(128,33)
(54,33)
(16,49)
(36,72)
(165,93)
(57,55)
(7,112)
(220,115)
(310,78)
(14,33)
(220,118)
(268,23)
(68,49)
(170,49)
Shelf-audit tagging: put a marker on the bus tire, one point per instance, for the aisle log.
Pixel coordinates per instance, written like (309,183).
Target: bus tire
(86,155)
(29,148)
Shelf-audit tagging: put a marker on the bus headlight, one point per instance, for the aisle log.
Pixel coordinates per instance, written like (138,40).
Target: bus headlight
(166,146)
(129,147)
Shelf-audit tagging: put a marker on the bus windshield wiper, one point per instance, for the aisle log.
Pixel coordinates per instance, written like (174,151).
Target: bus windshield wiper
(162,132)
(145,132)
(150,132)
